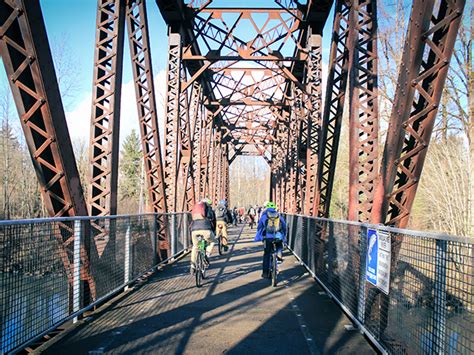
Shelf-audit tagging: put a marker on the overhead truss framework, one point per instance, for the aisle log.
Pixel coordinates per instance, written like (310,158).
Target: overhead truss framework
(245,62)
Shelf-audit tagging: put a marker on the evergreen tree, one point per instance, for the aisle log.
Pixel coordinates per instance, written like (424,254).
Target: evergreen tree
(130,174)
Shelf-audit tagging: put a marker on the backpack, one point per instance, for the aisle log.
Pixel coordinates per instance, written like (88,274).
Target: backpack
(221,211)
(273,222)
(199,211)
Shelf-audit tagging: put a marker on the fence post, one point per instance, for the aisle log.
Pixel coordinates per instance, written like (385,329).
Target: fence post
(126,278)
(154,239)
(362,274)
(76,288)
(173,234)
(439,311)
(186,231)
(332,250)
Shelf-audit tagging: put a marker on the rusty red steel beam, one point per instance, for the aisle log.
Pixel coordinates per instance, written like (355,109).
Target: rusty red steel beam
(292,158)
(299,162)
(363,110)
(26,55)
(105,117)
(282,135)
(187,148)
(314,88)
(172,110)
(428,49)
(334,107)
(205,159)
(146,102)
(138,35)
(197,132)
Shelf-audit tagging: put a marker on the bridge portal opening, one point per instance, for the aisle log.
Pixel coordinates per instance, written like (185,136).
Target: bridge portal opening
(249,181)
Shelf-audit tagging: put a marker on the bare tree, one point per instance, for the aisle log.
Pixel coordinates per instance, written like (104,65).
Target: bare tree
(66,64)
(444,187)
(81,151)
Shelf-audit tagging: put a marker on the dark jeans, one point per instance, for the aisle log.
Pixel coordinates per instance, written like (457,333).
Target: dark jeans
(267,250)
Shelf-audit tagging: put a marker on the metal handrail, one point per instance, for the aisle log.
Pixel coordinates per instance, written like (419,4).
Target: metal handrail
(430,235)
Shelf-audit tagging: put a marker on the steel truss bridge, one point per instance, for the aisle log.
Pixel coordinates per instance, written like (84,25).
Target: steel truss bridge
(240,81)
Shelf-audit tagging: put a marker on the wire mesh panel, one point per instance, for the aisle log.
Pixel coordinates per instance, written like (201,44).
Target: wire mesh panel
(51,269)
(143,243)
(34,287)
(429,305)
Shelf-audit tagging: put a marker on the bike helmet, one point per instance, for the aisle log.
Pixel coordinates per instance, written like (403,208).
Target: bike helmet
(271,204)
(223,202)
(207,200)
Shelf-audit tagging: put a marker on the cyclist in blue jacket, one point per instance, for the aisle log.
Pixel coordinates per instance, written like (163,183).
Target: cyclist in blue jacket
(270,226)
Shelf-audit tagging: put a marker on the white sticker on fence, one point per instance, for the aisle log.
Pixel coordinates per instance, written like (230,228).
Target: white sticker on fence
(378,259)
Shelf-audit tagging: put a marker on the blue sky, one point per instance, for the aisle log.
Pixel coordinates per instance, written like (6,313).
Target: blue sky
(76,19)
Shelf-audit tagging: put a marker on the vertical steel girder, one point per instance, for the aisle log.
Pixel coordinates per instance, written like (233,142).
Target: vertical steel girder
(226,176)
(196,131)
(105,119)
(299,163)
(291,162)
(313,88)
(334,106)
(26,55)
(139,42)
(363,110)
(200,152)
(212,165)
(186,144)
(146,102)
(216,164)
(172,107)
(205,152)
(283,138)
(425,62)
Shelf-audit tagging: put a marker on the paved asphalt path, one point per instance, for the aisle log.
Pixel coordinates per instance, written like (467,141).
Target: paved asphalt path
(235,312)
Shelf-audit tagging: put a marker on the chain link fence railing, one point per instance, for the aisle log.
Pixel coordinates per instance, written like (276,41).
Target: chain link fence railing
(420,296)
(52,270)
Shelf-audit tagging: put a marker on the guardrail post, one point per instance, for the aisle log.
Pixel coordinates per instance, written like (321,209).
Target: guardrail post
(186,231)
(76,288)
(127,256)
(154,239)
(332,251)
(362,274)
(439,311)
(173,234)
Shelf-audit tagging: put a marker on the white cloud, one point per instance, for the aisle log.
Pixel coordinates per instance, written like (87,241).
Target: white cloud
(78,120)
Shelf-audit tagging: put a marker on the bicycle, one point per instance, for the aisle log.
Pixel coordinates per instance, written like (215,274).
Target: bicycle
(201,262)
(251,221)
(273,260)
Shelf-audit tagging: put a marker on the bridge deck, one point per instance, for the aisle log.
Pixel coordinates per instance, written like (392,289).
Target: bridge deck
(236,311)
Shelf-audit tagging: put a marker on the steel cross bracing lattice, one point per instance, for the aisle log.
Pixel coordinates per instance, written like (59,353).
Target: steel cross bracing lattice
(246,60)
(240,81)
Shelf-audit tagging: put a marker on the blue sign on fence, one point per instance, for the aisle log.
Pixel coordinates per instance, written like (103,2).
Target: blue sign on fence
(379,249)
(372,255)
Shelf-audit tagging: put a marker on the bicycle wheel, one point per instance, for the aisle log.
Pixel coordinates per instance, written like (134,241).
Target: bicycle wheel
(199,268)
(274,269)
